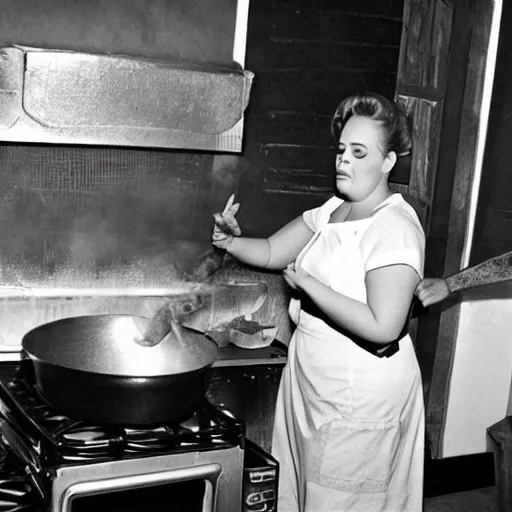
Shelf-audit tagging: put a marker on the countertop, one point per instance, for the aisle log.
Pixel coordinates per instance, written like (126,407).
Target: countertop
(235,356)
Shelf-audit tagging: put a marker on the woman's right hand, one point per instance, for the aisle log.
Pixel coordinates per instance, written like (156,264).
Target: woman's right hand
(225,226)
(432,290)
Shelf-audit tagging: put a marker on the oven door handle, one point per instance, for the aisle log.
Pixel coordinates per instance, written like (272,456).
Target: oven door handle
(24,454)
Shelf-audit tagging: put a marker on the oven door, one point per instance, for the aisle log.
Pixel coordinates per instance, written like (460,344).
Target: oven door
(190,489)
(202,481)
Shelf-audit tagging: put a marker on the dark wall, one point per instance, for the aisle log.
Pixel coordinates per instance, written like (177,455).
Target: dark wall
(493,223)
(72,215)
(192,30)
(308,55)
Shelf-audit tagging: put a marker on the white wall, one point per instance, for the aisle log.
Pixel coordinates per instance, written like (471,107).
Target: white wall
(481,375)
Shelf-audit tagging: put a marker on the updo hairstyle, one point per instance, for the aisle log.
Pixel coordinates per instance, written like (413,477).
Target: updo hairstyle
(396,133)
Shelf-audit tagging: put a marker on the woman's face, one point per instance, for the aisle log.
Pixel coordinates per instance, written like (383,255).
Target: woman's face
(361,164)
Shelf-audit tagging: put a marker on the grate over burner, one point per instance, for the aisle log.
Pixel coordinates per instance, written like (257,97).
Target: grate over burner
(16,493)
(61,440)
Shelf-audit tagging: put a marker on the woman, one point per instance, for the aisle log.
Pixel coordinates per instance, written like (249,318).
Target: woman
(349,425)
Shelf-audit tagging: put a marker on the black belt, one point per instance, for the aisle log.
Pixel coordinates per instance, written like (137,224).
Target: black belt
(377,349)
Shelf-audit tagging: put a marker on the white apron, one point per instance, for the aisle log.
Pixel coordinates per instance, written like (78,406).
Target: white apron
(349,426)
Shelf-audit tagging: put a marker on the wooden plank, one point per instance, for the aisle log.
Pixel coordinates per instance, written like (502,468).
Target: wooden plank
(270,5)
(466,157)
(297,180)
(291,90)
(293,128)
(451,126)
(384,9)
(427,93)
(425,42)
(415,17)
(426,116)
(421,88)
(315,79)
(317,159)
(442,29)
(271,54)
(437,236)
(291,23)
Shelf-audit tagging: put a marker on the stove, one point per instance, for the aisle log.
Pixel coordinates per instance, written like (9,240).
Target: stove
(16,493)
(52,463)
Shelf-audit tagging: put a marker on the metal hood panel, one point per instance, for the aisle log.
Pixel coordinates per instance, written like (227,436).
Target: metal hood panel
(80,98)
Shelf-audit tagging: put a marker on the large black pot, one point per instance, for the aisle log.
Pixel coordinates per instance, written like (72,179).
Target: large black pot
(120,399)
(93,368)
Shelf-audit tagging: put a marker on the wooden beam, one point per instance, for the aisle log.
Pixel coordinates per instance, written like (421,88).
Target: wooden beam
(437,404)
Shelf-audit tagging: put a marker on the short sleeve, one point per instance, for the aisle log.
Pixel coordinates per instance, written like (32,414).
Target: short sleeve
(317,217)
(394,237)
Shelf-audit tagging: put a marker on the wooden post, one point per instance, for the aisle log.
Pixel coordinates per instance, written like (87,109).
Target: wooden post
(421,83)
(441,81)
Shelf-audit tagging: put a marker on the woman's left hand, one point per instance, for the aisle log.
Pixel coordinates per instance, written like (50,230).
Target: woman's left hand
(296,278)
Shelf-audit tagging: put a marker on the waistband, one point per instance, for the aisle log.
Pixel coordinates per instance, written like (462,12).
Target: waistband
(376,349)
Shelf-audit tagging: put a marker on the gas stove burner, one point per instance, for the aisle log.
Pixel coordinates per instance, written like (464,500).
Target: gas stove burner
(61,439)
(16,494)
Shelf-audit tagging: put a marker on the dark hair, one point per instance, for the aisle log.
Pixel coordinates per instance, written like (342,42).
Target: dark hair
(395,126)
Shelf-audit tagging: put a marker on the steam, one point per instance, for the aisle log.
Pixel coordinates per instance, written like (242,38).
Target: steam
(97,217)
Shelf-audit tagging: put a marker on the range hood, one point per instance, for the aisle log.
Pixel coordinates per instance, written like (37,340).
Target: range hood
(69,97)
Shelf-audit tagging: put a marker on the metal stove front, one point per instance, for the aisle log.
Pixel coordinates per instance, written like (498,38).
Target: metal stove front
(70,469)
(168,480)
(220,470)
